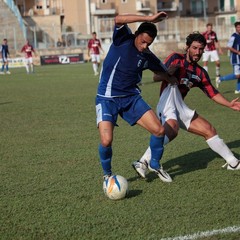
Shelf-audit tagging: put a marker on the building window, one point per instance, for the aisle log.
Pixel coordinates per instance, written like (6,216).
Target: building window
(222,5)
(232,5)
(197,6)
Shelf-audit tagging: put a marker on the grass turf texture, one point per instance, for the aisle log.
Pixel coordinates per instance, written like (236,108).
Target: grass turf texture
(51,179)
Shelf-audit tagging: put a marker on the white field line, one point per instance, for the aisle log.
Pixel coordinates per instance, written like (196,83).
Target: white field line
(199,235)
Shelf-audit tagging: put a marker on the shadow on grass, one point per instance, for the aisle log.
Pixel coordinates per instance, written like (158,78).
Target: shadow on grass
(191,161)
(5,103)
(133,193)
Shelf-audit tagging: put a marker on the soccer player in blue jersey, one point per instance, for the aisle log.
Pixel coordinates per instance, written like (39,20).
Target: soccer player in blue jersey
(4,55)
(175,114)
(118,92)
(234,48)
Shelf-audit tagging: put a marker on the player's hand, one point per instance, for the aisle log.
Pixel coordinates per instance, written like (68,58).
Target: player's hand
(158,17)
(220,51)
(235,104)
(172,80)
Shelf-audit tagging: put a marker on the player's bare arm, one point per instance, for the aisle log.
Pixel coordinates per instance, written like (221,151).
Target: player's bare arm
(233,50)
(131,18)
(218,46)
(234,104)
(164,76)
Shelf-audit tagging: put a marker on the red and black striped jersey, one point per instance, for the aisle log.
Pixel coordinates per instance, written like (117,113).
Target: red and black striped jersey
(189,75)
(211,38)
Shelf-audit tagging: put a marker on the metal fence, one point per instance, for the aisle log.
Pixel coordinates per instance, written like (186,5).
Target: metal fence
(170,30)
(173,29)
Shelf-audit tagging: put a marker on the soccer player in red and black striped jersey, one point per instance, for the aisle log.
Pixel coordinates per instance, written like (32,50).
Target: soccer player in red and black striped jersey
(94,47)
(174,113)
(212,49)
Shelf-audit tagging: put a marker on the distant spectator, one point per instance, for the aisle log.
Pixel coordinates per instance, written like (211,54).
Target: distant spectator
(64,43)
(69,43)
(59,43)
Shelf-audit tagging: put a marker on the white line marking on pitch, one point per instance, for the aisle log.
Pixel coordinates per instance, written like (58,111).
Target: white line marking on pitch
(206,234)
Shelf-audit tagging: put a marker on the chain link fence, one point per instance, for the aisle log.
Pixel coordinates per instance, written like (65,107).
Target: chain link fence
(170,30)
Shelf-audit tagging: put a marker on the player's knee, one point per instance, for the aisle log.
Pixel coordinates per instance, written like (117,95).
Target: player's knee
(172,135)
(158,131)
(106,142)
(210,132)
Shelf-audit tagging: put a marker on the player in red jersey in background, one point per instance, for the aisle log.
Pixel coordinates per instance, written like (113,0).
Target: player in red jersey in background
(94,47)
(28,49)
(211,48)
(175,114)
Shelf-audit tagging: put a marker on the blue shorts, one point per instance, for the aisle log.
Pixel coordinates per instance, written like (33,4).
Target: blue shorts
(130,108)
(236,69)
(4,59)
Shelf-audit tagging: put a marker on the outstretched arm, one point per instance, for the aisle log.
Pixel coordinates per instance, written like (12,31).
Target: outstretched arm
(131,18)
(234,104)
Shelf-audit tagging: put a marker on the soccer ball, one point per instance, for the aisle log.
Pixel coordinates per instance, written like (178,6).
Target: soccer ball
(115,187)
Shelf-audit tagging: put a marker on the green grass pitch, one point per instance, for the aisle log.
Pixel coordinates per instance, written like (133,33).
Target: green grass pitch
(51,179)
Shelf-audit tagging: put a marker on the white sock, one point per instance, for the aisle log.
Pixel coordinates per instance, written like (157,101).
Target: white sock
(217,71)
(206,68)
(95,67)
(218,146)
(146,157)
(32,67)
(27,68)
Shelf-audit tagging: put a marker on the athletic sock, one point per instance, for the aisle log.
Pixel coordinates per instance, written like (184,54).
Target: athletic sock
(27,68)
(146,157)
(2,68)
(7,67)
(217,71)
(95,67)
(228,77)
(218,146)
(105,154)
(238,84)
(156,146)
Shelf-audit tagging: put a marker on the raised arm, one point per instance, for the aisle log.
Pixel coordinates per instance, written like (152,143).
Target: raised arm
(131,18)
(234,104)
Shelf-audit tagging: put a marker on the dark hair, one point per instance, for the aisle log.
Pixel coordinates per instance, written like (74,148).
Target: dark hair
(195,36)
(94,33)
(147,27)
(209,24)
(237,23)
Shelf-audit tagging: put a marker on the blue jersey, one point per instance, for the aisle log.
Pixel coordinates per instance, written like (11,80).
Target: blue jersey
(234,42)
(123,66)
(4,51)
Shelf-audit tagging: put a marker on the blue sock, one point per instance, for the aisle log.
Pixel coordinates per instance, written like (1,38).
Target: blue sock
(7,67)
(156,145)
(2,68)
(105,154)
(238,84)
(228,77)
